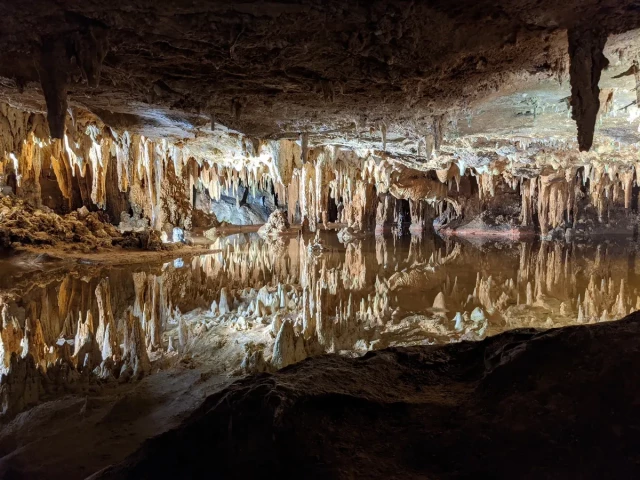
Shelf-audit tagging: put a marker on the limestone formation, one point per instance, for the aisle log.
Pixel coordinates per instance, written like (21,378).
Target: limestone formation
(284,349)
(587,63)
(134,352)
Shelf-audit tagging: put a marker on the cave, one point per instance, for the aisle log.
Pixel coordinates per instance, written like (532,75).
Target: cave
(319,239)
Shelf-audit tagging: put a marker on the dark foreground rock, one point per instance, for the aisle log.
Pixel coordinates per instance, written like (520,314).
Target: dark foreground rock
(562,403)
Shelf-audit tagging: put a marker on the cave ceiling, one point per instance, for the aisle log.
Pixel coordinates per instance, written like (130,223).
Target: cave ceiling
(424,83)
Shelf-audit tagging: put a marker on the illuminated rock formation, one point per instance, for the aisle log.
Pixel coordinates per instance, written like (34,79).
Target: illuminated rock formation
(276,225)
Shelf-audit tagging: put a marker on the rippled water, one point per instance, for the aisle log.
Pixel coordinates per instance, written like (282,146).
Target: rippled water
(372,293)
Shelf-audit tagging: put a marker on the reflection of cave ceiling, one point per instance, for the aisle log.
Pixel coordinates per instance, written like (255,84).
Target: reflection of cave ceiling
(379,75)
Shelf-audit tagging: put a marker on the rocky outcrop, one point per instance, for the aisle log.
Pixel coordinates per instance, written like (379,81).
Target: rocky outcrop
(425,412)
(21,224)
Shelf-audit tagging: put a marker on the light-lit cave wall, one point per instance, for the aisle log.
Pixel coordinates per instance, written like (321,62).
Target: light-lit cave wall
(102,169)
(166,184)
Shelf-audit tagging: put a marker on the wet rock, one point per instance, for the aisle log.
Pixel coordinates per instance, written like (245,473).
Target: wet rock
(226,303)
(506,385)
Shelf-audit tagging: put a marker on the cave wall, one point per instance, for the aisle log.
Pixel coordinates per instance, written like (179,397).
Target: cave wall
(162,183)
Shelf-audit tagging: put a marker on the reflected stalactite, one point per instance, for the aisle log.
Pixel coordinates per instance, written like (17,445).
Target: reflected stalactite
(377,291)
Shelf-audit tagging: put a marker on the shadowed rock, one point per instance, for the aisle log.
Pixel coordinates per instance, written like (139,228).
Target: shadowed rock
(527,404)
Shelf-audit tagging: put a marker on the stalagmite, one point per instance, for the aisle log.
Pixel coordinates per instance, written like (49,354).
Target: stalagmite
(459,323)
(439,302)
(284,349)
(134,349)
(224,303)
(478,315)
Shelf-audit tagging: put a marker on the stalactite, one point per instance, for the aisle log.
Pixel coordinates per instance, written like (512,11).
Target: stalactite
(587,63)
(54,77)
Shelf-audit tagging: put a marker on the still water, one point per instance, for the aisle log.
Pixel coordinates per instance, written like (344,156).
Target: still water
(323,296)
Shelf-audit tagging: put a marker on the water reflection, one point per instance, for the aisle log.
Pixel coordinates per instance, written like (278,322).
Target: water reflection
(254,306)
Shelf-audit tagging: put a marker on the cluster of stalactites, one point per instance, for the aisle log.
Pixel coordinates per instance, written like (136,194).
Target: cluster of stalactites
(97,339)
(328,173)
(551,272)
(159,177)
(87,151)
(553,197)
(91,163)
(220,178)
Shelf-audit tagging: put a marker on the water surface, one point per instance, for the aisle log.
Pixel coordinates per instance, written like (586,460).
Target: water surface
(372,293)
